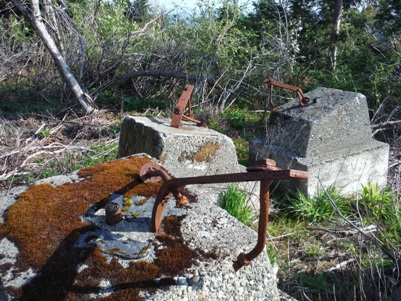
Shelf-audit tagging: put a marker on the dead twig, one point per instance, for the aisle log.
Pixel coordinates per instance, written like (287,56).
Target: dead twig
(341,265)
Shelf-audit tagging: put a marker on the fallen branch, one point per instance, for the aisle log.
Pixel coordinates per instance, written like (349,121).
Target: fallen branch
(341,265)
(122,79)
(365,230)
(50,146)
(385,124)
(378,127)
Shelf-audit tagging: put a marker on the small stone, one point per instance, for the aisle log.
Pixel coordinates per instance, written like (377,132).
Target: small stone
(182,281)
(243,283)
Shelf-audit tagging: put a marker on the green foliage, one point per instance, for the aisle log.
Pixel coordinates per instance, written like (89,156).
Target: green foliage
(271,254)
(317,283)
(242,150)
(240,125)
(239,118)
(376,203)
(44,133)
(319,208)
(115,128)
(234,202)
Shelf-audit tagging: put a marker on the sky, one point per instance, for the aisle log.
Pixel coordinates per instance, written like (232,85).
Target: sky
(190,4)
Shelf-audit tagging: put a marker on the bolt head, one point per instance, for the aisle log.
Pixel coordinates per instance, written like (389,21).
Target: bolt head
(265,162)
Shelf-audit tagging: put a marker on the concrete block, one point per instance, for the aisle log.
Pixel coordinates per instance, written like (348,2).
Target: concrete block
(331,139)
(184,152)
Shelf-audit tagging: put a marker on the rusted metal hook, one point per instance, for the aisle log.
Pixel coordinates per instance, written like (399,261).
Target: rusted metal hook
(152,173)
(265,171)
(303,100)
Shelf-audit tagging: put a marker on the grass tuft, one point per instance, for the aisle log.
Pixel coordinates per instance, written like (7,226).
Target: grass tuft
(234,202)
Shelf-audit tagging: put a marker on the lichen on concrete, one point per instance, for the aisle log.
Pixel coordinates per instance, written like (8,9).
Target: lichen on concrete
(204,153)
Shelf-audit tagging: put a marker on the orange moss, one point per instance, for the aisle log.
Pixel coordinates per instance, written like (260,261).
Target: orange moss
(44,215)
(45,222)
(172,225)
(174,258)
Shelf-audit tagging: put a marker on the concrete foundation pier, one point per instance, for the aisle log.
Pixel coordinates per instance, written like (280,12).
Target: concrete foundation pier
(330,138)
(188,151)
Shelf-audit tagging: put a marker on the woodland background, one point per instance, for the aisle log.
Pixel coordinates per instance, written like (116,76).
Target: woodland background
(132,55)
(70,70)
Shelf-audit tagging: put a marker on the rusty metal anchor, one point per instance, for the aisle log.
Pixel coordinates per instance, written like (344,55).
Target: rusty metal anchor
(179,110)
(264,170)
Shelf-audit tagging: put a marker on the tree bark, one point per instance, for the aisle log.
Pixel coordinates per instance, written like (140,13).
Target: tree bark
(335,32)
(35,17)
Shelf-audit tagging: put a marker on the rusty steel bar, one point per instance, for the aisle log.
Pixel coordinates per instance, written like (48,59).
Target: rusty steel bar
(245,259)
(179,110)
(264,171)
(152,173)
(180,107)
(271,82)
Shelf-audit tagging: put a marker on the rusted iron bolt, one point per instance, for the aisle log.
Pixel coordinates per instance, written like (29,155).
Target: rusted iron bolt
(113,213)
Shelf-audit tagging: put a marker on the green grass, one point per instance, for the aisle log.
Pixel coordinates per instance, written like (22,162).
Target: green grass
(311,235)
(320,207)
(234,202)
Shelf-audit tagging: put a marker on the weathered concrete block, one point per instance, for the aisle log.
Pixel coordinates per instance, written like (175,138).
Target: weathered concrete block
(187,151)
(331,139)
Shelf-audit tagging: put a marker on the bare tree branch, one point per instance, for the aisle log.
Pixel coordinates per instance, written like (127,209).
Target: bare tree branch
(155,73)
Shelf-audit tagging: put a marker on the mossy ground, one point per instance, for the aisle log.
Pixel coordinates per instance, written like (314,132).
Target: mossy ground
(45,222)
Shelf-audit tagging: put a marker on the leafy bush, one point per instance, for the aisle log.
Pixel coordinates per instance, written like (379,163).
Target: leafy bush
(234,202)
(239,118)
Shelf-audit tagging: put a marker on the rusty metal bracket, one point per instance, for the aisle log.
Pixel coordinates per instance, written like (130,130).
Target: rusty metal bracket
(303,100)
(179,110)
(265,171)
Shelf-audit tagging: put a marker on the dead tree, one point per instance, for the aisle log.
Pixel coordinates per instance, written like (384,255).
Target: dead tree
(34,15)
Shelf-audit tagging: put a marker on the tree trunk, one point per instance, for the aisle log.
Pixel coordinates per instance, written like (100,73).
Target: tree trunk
(36,20)
(335,31)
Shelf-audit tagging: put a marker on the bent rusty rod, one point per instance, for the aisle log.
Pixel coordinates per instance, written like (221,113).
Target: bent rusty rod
(265,177)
